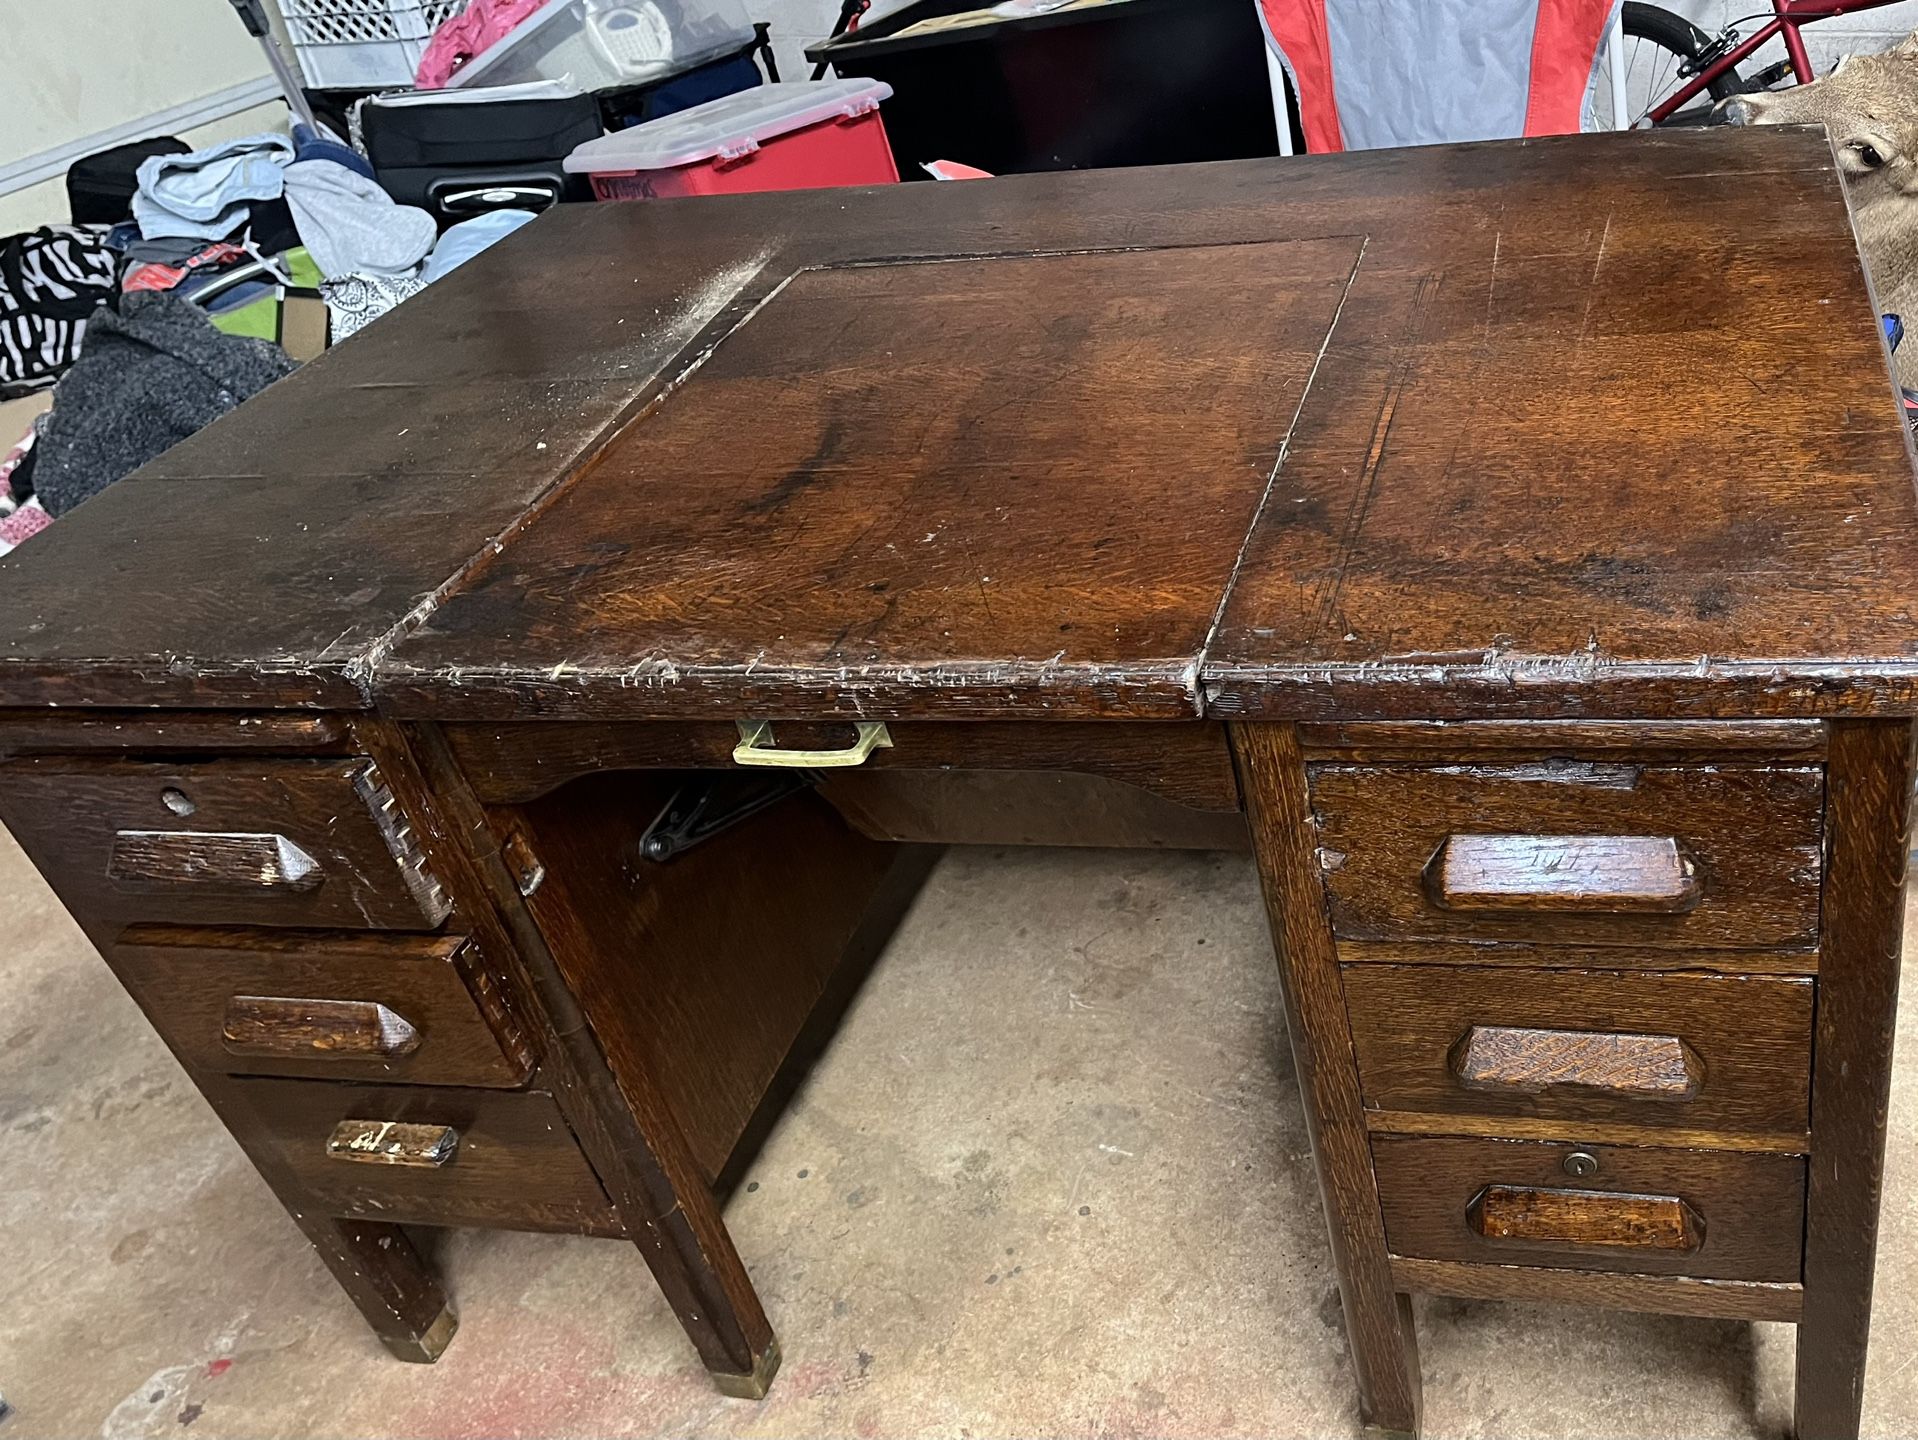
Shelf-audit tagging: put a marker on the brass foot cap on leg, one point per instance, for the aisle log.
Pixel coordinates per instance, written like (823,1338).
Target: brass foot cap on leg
(429,1344)
(755,1385)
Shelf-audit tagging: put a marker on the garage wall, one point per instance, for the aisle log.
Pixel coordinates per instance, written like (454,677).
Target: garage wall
(75,70)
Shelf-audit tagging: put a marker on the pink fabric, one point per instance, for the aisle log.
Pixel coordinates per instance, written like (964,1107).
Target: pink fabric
(473,31)
(23,524)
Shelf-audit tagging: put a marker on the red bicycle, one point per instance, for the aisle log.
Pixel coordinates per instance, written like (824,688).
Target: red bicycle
(1676,72)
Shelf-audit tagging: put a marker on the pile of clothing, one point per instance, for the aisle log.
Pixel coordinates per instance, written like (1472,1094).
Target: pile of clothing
(157,324)
(200,212)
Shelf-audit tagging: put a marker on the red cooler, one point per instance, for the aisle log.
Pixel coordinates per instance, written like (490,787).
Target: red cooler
(797,136)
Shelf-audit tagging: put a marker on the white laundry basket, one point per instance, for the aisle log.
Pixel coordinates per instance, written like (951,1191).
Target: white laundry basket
(362,44)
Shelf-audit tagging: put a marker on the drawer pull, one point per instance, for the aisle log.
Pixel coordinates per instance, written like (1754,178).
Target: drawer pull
(1609,874)
(275,1027)
(212,860)
(390,1142)
(1513,1060)
(1585,1218)
(756,747)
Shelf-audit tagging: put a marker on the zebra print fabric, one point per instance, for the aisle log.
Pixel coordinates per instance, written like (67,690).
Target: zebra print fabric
(51,280)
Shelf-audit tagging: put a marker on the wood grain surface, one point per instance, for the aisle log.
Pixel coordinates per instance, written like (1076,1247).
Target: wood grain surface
(1378,1319)
(516,1164)
(1511,487)
(1872,770)
(1663,1294)
(1752,836)
(1741,1046)
(188,982)
(1015,482)
(1749,1209)
(127,840)
(1188,764)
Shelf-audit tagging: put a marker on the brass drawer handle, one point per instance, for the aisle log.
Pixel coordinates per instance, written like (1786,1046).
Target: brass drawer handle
(212,860)
(1603,874)
(1599,1218)
(271,1026)
(1515,1060)
(391,1142)
(756,747)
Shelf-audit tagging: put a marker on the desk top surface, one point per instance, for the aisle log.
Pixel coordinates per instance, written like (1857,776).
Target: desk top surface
(1593,426)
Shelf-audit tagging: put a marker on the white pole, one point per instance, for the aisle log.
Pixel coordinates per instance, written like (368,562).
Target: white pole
(1621,120)
(1281,111)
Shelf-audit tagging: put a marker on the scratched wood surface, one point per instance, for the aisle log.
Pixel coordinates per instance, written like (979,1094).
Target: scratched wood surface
(350,502)
(1577,444)
(1011,482)
(1750,1207)
(1741,1045)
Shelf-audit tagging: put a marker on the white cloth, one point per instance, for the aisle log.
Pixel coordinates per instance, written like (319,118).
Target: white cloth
(352,227)
(205,195)
(356,301)
(466,239)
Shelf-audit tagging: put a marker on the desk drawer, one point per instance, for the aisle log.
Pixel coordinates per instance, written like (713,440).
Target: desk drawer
(229,842)
(1711,1214)
(1572,853)
(464,1157)
(414,1009)
(1718,1053)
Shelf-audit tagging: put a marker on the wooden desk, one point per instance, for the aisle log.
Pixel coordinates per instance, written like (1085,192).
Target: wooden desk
(1515,544)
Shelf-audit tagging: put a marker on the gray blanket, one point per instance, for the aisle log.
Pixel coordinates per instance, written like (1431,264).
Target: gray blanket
(147,378)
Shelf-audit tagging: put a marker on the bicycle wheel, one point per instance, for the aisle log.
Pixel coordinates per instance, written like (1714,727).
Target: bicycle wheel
(1661,53)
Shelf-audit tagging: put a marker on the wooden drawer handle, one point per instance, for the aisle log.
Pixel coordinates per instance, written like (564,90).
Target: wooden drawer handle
(1585,1217)
(212,860)
(1513,1060)
(1615,874)
(273,1026)
(391,1142)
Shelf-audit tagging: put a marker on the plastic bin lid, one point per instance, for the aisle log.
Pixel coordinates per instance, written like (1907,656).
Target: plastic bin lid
(473,72)
(728,127)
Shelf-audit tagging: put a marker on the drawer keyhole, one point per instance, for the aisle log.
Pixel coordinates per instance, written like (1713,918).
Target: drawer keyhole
(177,801)
(1581,1163)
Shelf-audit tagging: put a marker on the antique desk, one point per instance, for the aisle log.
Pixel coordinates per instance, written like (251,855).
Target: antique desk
(491,755)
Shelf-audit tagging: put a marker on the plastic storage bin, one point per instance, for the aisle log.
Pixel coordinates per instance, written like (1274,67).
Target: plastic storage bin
(777,137)
(605,44)
(362,44)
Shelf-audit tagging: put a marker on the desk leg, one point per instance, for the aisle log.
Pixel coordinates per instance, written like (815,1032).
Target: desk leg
(631,1139)
(382,1273)
(1867,815)
(1378,1320)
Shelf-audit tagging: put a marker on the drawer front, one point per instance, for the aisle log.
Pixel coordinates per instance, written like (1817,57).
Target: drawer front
(424,1156)
(229,842)
(1572,853)
(1721,1053)
(413,1009)
(1711,1214)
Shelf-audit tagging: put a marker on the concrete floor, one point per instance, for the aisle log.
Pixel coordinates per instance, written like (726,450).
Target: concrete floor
(1051,1180)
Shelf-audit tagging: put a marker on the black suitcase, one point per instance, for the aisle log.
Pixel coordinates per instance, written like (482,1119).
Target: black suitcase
(100,187)
(458,158)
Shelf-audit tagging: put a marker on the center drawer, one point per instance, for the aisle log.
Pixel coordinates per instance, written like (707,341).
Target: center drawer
(1729,1054)
(1572,852)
